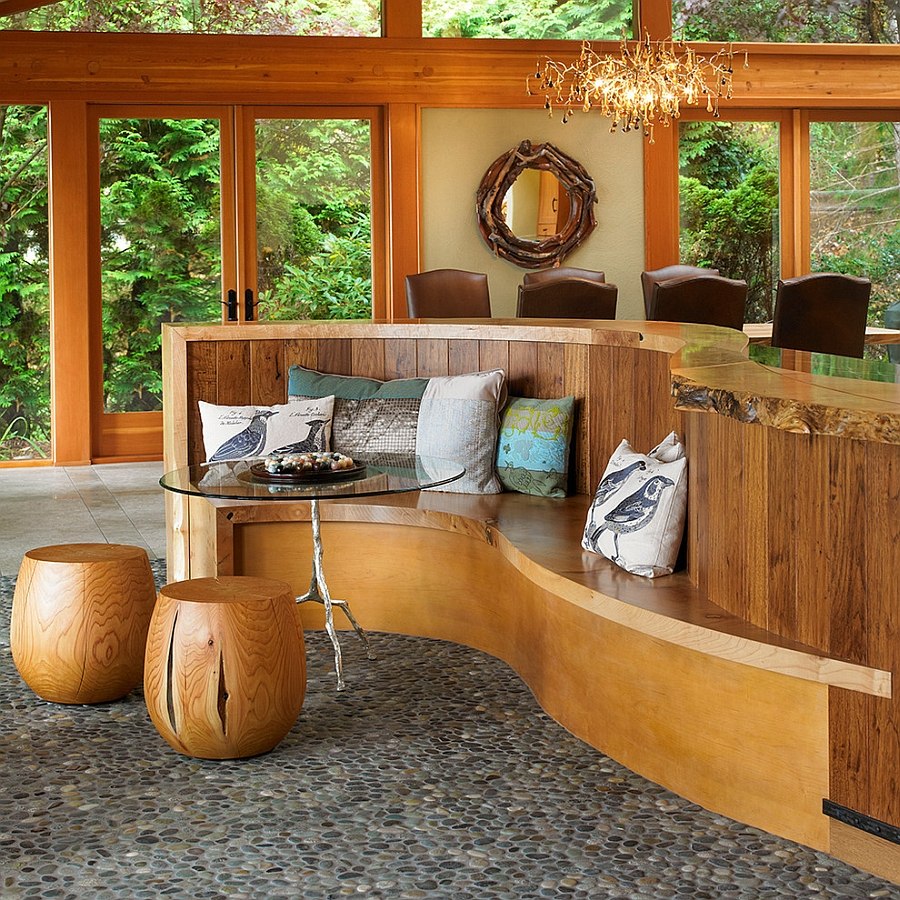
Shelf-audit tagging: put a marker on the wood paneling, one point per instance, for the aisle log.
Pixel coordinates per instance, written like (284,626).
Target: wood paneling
(268,377)
(400,358)
(794,533)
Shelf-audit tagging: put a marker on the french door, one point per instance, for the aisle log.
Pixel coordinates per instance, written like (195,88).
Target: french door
(220,213)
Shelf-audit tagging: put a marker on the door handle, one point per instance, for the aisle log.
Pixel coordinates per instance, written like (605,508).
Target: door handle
(231,304)
(249,305)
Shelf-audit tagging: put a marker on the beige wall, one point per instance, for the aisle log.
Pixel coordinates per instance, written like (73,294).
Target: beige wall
(458,145)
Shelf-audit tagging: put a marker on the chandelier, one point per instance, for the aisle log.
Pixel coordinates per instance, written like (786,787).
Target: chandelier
(646,84)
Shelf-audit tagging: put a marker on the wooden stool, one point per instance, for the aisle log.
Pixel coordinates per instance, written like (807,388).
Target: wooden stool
(225,670)
(79,621)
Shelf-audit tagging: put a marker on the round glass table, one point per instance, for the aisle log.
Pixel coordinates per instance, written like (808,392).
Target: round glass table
(371,476)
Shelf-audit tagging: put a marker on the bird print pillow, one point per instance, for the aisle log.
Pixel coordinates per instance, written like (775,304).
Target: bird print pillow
(637,516)
(246,432)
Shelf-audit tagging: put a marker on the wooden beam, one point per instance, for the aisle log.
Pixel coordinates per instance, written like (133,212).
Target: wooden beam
(403,202)
(69,284)
(448,72)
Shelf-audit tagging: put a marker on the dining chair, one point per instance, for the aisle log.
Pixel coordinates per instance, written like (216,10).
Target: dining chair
(648,279)
(823,312)
(448,294)
(701,299)
(570,298)
(562,273)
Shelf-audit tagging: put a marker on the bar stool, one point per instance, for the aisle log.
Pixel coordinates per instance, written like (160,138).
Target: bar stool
(79,620)
(225,668)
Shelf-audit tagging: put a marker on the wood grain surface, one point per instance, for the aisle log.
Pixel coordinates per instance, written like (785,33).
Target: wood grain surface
(225,666)
(79,621)
(792,530)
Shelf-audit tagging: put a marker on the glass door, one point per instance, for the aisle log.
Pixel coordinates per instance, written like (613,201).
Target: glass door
(230,214)
(314,238)
(165,241)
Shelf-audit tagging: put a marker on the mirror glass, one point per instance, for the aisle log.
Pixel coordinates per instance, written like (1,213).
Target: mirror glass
(536,205)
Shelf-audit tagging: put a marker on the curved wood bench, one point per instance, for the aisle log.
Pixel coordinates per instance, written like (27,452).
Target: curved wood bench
(698,681)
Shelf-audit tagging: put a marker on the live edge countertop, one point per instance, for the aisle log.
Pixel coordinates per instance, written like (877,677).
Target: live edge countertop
(791,391)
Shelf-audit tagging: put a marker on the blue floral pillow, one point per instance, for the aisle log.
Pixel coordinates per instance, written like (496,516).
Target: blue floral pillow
(533,450)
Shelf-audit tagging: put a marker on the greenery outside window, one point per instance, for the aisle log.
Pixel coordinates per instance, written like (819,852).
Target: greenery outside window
(319,18)
(798,21)
(729,205)
(855,205)
(24,285)
(529,19)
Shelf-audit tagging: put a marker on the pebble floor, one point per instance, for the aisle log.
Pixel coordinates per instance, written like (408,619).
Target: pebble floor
(435,775)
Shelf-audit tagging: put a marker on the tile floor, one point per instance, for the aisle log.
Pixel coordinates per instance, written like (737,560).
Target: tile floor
(121,503)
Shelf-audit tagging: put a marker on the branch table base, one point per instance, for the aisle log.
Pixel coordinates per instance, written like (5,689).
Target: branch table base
(318,592)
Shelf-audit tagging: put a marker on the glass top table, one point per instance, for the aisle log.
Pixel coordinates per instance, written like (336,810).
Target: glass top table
(372,476)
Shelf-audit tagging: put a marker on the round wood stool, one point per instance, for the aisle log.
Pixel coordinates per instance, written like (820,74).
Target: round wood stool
(225,669)
(79,621)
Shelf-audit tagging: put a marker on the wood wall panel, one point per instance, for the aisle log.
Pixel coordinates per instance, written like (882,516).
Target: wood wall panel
(883,626)
(851,782)
(300,352)
(756,525)
(335,355)
(551,370)
(781,465)
(812,480)
(268,376)
(463,357)
(848,520)
(400,358)
(431,358)
(233,372)
(367,358)
(201,385)
(584,470)
(493,355)
(523,368)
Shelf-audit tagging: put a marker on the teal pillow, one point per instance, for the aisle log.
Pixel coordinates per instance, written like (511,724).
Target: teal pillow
(533,450)
(309,383)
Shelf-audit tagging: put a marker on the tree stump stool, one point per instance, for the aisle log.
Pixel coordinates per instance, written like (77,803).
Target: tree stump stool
(225,669)
(79,621)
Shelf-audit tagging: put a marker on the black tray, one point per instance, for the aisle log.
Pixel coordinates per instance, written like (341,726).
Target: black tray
(258,473)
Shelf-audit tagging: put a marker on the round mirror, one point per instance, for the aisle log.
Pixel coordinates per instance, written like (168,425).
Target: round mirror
(535,205)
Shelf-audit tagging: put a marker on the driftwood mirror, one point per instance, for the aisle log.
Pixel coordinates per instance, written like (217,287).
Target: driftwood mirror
(535,205)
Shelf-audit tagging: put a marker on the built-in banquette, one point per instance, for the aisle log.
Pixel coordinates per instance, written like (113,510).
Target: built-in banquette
(755,681)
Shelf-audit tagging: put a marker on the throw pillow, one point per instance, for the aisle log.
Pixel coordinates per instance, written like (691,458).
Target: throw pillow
(637,516)
(533,450)
(370,416)
(454,417)
(458,420)
(245,432)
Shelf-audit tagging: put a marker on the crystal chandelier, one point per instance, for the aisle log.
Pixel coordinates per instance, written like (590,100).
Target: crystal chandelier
(645,85)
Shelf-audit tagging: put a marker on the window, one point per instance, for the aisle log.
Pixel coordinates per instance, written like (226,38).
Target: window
(354,18)
(24,285)
(729,205)
(314,218)
(530,19)
(855,205)
(813,21)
